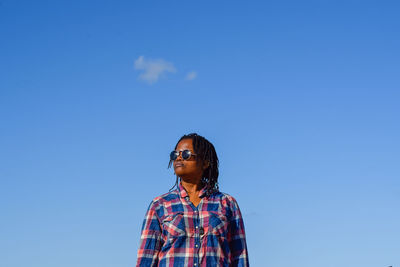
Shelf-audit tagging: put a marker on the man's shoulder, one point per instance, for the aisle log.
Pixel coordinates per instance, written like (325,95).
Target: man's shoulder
(167,197)
(224,197)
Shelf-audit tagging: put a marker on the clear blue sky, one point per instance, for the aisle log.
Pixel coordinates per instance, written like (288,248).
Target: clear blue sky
(300,98)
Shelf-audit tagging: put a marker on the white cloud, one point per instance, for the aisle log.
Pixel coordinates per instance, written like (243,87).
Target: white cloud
(153,69)
(191,76)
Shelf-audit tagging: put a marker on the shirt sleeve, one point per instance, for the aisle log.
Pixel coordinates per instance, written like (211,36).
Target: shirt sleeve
(150,239)
(237,240)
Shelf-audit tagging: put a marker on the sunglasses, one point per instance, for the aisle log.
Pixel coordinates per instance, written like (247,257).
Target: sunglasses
(186,154)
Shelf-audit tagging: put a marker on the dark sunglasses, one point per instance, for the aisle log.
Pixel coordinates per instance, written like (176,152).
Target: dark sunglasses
(186,154)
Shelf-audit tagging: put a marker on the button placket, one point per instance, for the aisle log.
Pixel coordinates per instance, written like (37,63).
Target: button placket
(196,221)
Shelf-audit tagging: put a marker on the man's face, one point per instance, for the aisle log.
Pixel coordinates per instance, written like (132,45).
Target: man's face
(190,169)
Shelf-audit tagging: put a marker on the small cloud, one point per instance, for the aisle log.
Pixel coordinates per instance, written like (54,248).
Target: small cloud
(153,69)
(191,76)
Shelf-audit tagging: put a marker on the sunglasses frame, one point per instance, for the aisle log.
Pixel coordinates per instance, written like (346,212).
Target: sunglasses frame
(180,152)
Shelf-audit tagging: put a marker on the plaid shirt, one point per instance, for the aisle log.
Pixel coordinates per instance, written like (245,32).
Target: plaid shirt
(176,233)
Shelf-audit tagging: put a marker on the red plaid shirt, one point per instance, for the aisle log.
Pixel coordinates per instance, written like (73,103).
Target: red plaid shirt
(176,233)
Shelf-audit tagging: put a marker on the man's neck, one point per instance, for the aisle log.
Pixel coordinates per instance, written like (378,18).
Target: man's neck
(192,188)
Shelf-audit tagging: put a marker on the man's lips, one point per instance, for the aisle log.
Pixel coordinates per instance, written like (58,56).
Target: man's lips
(178,165)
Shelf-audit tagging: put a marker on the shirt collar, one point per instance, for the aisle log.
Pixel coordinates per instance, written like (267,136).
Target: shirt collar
(184,194)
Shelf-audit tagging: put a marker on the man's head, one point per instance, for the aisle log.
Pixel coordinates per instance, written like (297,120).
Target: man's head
(203,163)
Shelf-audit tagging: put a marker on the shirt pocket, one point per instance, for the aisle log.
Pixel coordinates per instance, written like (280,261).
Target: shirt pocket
(217,224)
(174,226)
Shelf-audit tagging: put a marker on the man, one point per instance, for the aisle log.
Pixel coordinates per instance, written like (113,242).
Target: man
(195,224)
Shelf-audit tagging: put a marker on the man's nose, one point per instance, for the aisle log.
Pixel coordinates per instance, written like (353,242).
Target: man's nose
(179,157)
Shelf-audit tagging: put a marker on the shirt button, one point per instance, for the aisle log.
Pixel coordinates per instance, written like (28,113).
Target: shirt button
(197,227)
(195,264)
(196,246)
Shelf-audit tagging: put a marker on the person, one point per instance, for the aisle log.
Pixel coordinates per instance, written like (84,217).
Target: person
(194,224)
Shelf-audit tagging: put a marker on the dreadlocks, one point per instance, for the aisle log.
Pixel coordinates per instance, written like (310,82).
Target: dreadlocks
(206,152)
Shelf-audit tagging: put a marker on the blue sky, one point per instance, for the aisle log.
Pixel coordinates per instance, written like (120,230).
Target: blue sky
(300,99)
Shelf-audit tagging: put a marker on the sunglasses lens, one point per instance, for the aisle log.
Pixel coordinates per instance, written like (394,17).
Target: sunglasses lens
(173,155)
(186,154)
